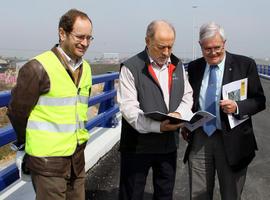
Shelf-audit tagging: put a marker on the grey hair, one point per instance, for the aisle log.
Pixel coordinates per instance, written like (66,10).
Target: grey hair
(151,28)
(209,30)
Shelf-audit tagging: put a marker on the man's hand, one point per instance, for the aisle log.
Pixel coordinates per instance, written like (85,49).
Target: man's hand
(228,106)
(175,114)
(166,126)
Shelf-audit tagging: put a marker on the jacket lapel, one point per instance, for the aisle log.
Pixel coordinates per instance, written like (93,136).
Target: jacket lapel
(197,84)
(200,75)
(228,69)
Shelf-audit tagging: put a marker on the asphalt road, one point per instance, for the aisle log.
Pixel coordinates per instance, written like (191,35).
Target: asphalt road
(102,180)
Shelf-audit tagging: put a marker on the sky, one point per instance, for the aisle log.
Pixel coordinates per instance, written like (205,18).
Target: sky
(29,27)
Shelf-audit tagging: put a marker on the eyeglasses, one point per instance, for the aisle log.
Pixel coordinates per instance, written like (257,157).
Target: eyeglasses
(217,49)
(80,38)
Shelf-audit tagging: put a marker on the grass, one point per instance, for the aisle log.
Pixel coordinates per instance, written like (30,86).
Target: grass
(6,153)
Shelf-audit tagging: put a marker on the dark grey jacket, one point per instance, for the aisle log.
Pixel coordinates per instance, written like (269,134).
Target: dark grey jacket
(151,98)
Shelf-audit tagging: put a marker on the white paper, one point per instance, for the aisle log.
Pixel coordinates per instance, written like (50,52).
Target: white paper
(196,122)
(237,91)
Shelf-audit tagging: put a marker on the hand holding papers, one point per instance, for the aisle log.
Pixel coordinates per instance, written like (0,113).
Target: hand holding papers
(236,91)
(191,121)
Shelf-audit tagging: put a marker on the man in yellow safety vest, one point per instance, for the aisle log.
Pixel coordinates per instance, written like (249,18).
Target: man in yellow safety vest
(48,110)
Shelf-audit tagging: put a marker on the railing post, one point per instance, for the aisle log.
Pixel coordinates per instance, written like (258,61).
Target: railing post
(105,105)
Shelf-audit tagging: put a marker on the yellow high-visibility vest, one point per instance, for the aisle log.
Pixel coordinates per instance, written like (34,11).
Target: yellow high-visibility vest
(57,122)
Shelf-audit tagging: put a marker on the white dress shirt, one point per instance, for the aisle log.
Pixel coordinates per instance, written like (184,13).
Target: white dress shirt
(130,107)
(72,64)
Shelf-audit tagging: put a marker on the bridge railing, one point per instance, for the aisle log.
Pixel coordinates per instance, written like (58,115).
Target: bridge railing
(264,71)
(106,117)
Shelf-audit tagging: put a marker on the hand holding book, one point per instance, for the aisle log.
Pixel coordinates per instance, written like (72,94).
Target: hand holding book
(191,122)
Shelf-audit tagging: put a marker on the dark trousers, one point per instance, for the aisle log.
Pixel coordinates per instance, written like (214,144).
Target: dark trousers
(206,159)
(134,170)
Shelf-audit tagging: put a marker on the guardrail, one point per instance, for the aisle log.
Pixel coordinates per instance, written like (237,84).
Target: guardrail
(264,71)
(106,117)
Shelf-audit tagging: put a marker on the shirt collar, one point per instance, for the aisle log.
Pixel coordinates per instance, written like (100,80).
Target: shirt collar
(74,65)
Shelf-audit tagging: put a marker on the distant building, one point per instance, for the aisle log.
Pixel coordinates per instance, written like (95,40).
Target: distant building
(3,63)
(110,58)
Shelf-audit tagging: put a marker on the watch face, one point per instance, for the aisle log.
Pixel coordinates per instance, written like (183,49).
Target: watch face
(14,147)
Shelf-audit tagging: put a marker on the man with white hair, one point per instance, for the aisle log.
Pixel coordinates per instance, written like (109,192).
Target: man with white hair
(216,147)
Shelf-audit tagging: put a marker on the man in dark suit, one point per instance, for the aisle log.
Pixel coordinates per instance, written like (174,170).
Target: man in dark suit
(216,147)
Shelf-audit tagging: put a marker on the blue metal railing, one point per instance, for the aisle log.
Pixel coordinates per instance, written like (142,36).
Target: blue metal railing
(106,118)
(264,71)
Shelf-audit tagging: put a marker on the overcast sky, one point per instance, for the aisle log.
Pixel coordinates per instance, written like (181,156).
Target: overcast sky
(29,27)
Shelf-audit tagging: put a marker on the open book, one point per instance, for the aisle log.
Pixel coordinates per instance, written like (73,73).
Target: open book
(191,121)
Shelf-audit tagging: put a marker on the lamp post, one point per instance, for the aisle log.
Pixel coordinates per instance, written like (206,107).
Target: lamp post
(193,34)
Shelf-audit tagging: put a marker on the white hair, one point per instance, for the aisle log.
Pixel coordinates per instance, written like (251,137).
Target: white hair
(210,29)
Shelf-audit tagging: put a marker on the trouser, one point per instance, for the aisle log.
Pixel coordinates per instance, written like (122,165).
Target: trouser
(59,188)
(207,157)
(134,170)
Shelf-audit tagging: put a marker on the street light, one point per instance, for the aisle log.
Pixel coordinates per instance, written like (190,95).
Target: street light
(193,34)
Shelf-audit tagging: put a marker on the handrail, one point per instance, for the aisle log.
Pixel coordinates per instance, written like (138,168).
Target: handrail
(264,71)
(4,98)
(106,118)
(265,76)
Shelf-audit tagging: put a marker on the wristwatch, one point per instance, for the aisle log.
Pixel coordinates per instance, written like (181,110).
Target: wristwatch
(17,147)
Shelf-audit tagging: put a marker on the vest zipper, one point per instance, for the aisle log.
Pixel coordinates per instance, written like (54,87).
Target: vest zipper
(76,113)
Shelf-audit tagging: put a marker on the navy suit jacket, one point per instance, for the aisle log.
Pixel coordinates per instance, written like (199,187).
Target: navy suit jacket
(239,142)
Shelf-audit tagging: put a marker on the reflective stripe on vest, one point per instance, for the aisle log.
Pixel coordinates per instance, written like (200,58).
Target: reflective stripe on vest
(51,101)
(53,127)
